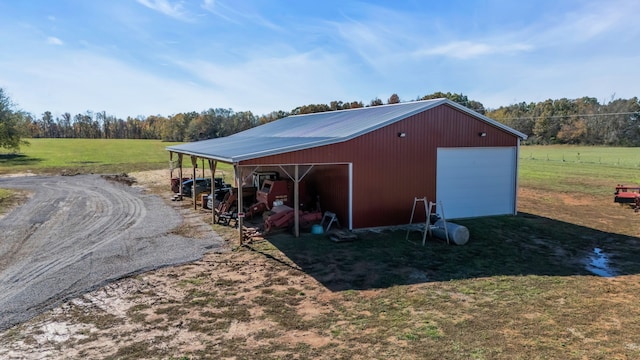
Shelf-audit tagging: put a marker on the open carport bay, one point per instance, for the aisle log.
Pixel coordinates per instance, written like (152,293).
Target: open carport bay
(77,233)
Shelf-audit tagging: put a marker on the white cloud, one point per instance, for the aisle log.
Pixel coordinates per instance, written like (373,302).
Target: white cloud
(174,10)
(598,19)
(237,16)
(77,81)
(51,40)
(468,49)
(273,83)
(315,60)
(80,81)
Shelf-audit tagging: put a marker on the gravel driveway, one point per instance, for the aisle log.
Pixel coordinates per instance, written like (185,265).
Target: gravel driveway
(77,233)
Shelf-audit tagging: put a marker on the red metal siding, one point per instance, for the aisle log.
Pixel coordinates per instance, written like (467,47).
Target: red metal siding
(330,183)
(389,171)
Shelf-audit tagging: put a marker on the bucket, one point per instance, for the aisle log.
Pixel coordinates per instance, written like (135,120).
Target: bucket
(316,229)
(458,234)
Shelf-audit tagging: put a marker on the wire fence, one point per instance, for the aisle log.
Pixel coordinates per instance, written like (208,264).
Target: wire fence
(577,158)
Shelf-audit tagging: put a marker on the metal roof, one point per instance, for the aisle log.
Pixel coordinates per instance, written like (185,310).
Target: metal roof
(306,131)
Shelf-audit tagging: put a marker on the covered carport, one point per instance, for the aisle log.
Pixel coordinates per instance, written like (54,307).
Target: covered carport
(333,182)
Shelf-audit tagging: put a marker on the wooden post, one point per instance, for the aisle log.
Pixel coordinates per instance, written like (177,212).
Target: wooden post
(240,180)
(170,167)
(180,175)
(194,164)
(212,166)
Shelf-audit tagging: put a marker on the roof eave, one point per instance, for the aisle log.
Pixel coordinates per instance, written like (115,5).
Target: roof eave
(202,155)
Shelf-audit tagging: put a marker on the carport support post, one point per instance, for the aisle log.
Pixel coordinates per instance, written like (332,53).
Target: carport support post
(170,167)
(239,180)
(296,202)
(212,166)
(194,164)
(180,175)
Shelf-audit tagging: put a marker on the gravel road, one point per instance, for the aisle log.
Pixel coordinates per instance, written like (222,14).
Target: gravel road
(77,233)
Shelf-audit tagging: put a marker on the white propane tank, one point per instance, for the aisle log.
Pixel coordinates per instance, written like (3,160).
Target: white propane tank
(458,234)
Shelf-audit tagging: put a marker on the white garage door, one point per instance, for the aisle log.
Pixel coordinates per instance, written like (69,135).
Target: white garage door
(474,182)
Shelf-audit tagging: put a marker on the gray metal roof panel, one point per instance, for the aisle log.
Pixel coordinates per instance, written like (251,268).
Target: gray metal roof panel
(310,130)
(341,123)
(237,148)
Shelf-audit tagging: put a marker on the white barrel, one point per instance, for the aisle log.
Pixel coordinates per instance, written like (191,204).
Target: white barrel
(458,234)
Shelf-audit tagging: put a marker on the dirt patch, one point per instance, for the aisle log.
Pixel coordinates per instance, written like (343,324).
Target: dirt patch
(122,178)
(598,212)
(14,200)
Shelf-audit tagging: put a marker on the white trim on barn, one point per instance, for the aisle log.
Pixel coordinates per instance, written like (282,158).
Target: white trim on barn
(350,196)
(474,182)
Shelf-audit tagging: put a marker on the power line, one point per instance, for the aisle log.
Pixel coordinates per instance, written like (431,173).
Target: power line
(568,116)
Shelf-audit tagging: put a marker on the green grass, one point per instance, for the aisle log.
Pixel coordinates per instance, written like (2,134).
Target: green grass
(578,169)
(88,156)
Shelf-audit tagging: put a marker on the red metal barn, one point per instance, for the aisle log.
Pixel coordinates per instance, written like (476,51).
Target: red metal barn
(368,164)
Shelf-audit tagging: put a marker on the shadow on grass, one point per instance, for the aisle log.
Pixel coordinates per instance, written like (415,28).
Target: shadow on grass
(499,246)
(17,159)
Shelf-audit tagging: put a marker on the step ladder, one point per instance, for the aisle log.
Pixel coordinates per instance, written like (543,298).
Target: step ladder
(331,219)
(429,209)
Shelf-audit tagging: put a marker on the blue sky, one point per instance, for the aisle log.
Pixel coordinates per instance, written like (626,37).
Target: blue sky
(147,57)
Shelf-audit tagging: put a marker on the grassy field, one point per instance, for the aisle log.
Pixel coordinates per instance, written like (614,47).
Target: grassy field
(524,287)
(578,169)
(86,156)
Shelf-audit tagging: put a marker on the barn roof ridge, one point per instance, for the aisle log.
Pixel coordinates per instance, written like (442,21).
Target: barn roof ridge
(304,131)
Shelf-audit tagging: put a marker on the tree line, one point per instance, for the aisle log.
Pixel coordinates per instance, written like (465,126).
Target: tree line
(582,121)
(190,126)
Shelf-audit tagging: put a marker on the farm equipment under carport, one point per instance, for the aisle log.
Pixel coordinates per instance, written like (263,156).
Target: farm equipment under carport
(227,210)
(285,218)
(628,194)
(274,192)
(275,199)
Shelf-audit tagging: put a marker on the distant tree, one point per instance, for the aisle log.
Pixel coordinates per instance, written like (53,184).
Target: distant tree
(274,115)
(64,123)
(458,98)
(310,109)
(205,126)
(336,105)
(356,105)
(12,125)
(476,106)
(152,125)
(49,127)
(375,102)
(393,99)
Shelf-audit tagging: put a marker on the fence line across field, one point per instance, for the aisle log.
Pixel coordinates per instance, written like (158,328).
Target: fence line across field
(583,159)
